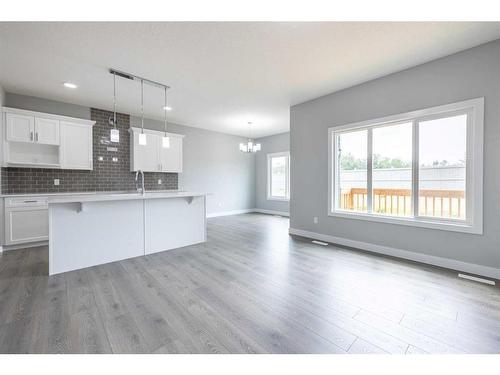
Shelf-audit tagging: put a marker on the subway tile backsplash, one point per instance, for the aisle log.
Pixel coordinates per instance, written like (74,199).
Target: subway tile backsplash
(107,174)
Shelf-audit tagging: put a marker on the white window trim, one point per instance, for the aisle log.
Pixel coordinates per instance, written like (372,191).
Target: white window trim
(287,188)
(474,168)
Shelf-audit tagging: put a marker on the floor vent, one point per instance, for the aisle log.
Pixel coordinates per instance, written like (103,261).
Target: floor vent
(475,278)
(319,243)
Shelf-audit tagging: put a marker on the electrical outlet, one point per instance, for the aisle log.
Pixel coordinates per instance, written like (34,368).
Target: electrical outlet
(100,158)
(315,220)
(159,181)
(115,159)
(56,181)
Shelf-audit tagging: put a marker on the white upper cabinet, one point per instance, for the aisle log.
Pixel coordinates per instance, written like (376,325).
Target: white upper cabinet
(76,146)
(20,128)
(153,157)
(25,128)
(171,157)
(43,140)
(146,156)
(46,131)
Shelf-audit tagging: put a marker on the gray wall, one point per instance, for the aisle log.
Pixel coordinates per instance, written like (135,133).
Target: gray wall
(271,144)
(469,74)
(2,96)
(212,163)
(32,103)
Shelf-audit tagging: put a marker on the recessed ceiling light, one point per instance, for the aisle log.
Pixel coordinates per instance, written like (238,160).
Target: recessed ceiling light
(167,108)
(70,85)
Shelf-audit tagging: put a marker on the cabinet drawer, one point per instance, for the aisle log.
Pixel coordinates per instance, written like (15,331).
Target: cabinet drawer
(26,202)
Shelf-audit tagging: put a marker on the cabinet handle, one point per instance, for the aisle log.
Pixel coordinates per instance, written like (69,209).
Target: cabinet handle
(36,137)
(31,136)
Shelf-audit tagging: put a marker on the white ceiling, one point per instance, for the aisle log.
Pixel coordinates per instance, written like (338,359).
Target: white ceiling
(222,74)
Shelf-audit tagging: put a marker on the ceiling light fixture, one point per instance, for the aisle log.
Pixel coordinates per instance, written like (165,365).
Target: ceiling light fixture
(133,77)
(114,134)
(250,146)
(165,141)
(142,136)
(70,85)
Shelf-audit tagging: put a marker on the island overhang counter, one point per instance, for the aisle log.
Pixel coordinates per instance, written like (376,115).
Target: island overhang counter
(88,230)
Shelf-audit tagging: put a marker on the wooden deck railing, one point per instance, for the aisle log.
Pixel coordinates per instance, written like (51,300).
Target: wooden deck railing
(438,203)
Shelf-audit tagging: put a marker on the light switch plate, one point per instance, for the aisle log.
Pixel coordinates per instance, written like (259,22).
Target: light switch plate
(159,181)
(56,181)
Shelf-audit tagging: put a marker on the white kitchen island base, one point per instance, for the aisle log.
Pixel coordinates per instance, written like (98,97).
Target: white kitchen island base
(85,231)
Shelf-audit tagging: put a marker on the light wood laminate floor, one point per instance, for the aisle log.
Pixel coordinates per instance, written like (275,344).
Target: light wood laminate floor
(250,289)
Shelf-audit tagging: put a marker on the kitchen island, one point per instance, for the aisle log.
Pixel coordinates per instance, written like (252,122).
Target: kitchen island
(90,229)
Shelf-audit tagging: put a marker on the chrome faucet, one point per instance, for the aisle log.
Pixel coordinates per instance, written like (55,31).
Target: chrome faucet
(140,189)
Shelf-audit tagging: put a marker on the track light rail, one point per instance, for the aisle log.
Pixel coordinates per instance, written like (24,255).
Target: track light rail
(133,77)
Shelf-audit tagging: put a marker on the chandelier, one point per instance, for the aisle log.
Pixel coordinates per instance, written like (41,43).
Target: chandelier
(250,146)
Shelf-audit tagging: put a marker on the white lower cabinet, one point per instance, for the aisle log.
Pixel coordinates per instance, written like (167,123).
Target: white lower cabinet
(26,220)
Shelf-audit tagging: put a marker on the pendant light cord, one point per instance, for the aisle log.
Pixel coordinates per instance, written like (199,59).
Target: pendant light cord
(165,110)
(142,106)
(114,99)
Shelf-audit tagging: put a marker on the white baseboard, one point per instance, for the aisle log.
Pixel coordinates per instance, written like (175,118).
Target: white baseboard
(405,254)
(233,212)
(247,211)
(271,212)
(23,246)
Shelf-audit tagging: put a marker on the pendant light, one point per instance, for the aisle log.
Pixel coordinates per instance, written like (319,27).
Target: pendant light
(165,141)
(114,134)
(250,146)
(142,136)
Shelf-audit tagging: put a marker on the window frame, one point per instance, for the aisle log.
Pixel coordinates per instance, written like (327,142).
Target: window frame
(270,157)
(474,108)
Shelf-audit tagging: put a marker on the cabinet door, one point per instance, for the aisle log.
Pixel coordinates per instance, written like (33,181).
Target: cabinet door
(146,156)
(27,224)
(20,128)
(76,146)
(46,131)
(171,158)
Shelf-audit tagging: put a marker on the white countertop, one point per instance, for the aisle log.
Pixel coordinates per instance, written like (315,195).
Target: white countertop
(120,196)
(15,195)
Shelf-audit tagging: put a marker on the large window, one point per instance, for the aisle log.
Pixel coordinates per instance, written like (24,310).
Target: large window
(422,168)
(278,176)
